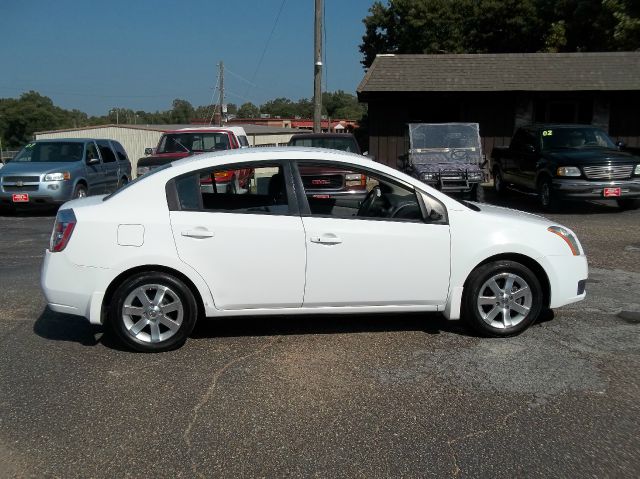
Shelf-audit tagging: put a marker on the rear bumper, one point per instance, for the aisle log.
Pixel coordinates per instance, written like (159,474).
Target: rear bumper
(585,189)
(72,289)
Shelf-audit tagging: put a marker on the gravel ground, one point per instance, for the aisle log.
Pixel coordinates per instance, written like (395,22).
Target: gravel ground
(343,396)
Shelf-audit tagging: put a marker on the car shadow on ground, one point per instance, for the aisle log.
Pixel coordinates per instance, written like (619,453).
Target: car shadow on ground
(39,212)
(312,324)
(64,327)
(529,203)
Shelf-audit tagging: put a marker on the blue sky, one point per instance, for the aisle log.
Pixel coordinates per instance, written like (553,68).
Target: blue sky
(96,55)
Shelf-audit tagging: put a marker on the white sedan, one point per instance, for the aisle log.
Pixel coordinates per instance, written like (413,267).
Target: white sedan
(166,249)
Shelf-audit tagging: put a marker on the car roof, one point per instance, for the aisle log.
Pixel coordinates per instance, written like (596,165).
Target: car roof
(72,140)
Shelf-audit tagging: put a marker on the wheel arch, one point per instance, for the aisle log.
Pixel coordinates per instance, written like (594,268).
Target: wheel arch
(525,260)
(118,280)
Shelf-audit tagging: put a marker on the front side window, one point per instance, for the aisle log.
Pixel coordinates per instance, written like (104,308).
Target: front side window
(92,152)
(49,152)
(251,189)
(346,192)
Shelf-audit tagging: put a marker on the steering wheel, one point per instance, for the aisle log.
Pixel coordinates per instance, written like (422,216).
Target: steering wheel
(369,200)
(459,154)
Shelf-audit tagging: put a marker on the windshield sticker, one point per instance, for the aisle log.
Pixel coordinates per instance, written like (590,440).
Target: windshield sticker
(547,133)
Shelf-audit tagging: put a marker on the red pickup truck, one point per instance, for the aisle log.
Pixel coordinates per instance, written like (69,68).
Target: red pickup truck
(177,144)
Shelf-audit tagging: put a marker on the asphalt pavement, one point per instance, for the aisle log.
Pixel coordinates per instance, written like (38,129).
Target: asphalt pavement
(369,396)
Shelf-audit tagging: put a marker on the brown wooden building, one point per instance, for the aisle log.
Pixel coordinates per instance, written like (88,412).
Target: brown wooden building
(500,92)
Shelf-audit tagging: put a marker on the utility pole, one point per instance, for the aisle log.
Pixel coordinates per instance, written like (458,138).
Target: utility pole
(221,90)
(317,70)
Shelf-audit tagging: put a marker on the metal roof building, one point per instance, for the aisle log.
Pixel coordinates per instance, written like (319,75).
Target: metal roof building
(500,92)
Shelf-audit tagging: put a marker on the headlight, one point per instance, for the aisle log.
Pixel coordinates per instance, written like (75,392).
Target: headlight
(635,172)
(65,175)
(568,171)
(141,170)
(427,176)
(568,237)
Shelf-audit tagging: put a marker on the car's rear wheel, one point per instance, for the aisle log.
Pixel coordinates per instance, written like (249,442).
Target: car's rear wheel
(628,204)
(502,298)
(153,312)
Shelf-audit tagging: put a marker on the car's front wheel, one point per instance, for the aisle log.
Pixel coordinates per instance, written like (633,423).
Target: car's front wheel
(628,204)
(153,312)
(498,183)
(502,298)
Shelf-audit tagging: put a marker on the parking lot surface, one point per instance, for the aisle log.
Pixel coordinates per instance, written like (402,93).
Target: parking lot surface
(341,396)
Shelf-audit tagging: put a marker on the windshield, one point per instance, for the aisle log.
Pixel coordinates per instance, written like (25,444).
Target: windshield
(188,142)
(342,144)
(49,152)
(578,137)
(432,143)
(438,136)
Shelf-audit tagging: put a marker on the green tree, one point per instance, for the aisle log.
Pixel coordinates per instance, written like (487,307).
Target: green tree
(248,110)
(340,104)
(499,26)
(282,107)
(182,112)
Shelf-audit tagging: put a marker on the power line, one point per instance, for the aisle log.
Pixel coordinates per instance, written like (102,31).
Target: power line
(266,45)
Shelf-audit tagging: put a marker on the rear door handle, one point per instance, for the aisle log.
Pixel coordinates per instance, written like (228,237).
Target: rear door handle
(329,238)
(198,233)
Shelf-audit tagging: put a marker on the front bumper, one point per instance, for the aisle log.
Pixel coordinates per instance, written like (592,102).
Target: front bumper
(45,193)
(566,278)
(585,189)
(72,289)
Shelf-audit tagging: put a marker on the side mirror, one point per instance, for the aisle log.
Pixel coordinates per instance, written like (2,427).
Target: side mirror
(92,161)
(529,148)
(620,144)
(148,151)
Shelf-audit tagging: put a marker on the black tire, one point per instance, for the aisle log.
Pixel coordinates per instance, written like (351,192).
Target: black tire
(628,204)
(477,193)
(546,196)
(475,289)
(499,185)
(80,191)
(177,291)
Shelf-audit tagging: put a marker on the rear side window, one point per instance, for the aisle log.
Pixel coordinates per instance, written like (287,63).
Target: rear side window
(122,155)
(243,141)
(251,189)
(106,152)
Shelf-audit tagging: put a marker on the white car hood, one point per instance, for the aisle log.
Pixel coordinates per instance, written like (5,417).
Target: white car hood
(508,214)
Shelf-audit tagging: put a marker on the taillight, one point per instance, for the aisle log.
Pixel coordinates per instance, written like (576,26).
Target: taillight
(62,230)
(223,175)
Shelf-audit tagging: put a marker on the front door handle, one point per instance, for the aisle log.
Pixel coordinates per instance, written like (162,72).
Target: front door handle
(329,238)
(198,233)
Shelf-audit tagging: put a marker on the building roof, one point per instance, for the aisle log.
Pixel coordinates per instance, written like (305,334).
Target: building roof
(503,72)
(248,128)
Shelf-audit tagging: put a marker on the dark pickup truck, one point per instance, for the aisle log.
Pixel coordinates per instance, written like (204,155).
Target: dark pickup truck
(571,162)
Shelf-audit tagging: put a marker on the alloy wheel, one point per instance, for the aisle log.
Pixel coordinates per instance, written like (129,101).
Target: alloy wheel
(152,313)
(504,300)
